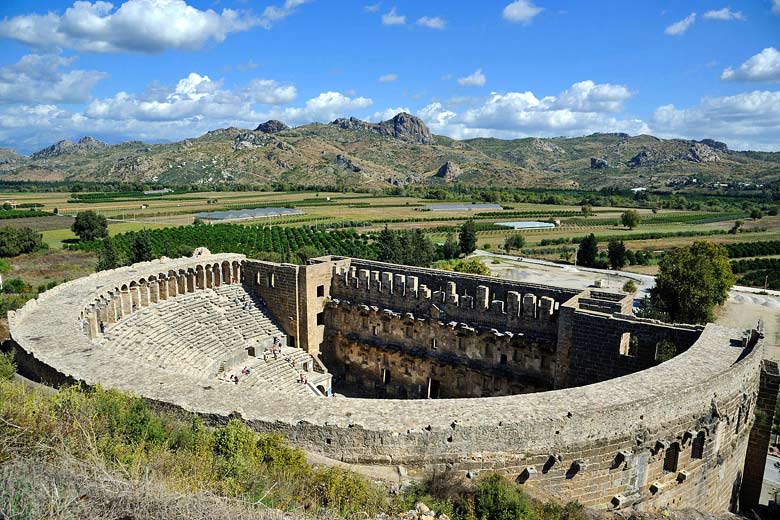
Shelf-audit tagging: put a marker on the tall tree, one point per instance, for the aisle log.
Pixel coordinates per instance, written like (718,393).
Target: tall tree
(630,219)
(141,249)
(108,257)
(616,251)
(451,249)
(587,251)
(692,281)
(90,226)
(468,237)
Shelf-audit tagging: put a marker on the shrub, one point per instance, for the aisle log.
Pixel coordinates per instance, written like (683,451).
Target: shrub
(629,287)
(7,366)
(498,499)
(665,350)
(630,219)
(17,241)
(16,286)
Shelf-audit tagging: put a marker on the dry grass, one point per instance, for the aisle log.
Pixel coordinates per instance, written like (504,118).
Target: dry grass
(65,489)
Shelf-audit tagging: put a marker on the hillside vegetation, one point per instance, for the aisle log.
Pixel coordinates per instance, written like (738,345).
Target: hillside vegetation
(401,151)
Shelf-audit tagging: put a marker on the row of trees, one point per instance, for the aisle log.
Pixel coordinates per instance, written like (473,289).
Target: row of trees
(17,241)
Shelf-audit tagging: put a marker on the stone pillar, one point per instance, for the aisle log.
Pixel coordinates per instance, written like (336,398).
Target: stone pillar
(237,272)
(103,312)
(451,293)
(181,282)
(163,289)
(760,434)
(399,284)
(387,282)
(363,279)
(144,292)
(190,281)
(127,302)
(135,298)
(111,310)
(374,282)
(200,278)
(411,285)
(92,322)
(217,275)
(529,305)
(546,307)
(209,277)
(483,294)
(423,293)
(513,303)
(154,291)
(173,285)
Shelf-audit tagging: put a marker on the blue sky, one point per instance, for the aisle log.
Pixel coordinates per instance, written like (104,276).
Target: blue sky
(160,70)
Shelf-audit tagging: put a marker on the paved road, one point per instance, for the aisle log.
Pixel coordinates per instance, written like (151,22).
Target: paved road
(648,282)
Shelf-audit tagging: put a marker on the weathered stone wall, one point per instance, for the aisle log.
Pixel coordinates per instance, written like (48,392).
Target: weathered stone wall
(277,285)
(608,346)
(393,355)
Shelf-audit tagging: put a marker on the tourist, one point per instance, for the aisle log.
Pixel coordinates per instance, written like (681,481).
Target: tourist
(102,327)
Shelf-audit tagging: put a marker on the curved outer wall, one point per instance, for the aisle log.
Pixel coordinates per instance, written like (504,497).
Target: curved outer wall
(605,444)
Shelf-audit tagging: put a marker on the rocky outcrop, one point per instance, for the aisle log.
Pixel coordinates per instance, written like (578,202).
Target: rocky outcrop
(702,153)
(271,126)
(543,145)
(249,140)
(346,164)
(403,126)
(407,127)
(598,164)
(717,145)
(65,147)
(449,171)
(8,156)
(696,152)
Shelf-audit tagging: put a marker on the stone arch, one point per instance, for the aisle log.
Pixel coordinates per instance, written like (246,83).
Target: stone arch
(322,389)
(143,288)
(125,303)
(209,276)
(162,283)
(236,272)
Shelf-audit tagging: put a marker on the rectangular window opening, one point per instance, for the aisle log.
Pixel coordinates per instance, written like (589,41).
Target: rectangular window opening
(271,279)
(320,291)
(320,318)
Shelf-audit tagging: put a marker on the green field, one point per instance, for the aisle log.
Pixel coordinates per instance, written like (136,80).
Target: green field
(329,213)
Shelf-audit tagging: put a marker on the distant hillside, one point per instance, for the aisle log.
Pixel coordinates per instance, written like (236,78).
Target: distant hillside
(400,151)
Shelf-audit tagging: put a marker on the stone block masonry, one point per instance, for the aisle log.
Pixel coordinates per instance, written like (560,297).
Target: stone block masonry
(684,433)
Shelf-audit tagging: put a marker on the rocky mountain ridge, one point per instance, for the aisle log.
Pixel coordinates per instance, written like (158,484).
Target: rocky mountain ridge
(401,151)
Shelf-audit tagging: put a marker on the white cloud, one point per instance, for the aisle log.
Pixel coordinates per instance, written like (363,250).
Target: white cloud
(587,96)
(678,28)
(750,120)
(388,78)
(40,79)
(776,6)
(583,108)
(274,14)
(725,14)
(325,107)
(475,79)
(373,8)
(432,22)
(147,26)
(764,66)
(245,67)
(522,11)
(195,96)
(388,113)
(393,18)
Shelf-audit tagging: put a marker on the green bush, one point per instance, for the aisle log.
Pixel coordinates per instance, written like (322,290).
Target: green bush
(629,287)
(16,286)
(665,350)
(7,366)
(498,499)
